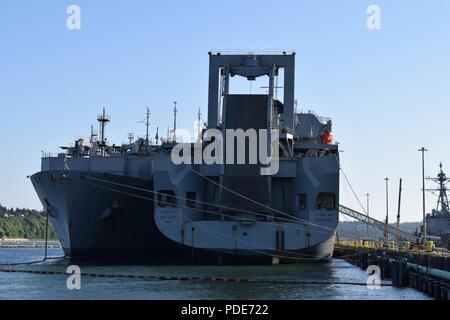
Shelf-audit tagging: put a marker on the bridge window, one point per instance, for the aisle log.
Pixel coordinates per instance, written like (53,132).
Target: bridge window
(191,199)
(326,201)
(166,198)
(302,201)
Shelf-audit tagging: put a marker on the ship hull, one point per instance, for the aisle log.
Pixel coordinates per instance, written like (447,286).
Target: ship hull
(99,221)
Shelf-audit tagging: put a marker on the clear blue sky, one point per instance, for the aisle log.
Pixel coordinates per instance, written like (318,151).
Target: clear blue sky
(388,91)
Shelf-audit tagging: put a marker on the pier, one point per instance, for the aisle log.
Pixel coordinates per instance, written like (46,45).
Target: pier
(424,268)
(408,261)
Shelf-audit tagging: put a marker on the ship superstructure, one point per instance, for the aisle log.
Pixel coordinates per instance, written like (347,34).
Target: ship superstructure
(438,221)
(277,201)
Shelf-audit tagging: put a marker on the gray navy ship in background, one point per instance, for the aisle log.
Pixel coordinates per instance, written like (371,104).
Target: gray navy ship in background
(133,203)
(438,221)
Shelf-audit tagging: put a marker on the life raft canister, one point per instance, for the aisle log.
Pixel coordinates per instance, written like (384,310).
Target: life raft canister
(327,137)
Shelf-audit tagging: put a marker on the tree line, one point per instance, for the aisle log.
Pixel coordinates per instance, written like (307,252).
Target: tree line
(24,223)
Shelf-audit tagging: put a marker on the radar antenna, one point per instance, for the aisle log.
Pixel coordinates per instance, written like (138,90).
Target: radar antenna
(175,111)
(103,120)
(131,137)
(199,125)
(442,181)
(147,126)
(94,135)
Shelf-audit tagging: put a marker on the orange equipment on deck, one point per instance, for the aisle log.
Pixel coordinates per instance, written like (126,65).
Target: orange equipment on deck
(327,137)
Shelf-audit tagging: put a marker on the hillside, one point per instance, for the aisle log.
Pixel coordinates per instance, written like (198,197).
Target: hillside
(356,229)
(23,223)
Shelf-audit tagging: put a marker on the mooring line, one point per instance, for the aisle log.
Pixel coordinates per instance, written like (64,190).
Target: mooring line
(191,278)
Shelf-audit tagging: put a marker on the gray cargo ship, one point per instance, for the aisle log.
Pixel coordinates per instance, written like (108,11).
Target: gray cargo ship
(133,202)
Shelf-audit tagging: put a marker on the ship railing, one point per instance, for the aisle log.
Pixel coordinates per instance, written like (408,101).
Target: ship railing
(322,119)
(318,153)
(47,155)
(252,52)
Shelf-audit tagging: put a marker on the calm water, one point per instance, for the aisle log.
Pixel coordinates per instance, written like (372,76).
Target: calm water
(36,287)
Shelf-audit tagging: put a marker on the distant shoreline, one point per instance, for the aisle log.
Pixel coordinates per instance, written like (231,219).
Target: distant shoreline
(27,243)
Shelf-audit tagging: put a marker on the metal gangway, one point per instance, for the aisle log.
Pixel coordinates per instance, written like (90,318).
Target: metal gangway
(397,233)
